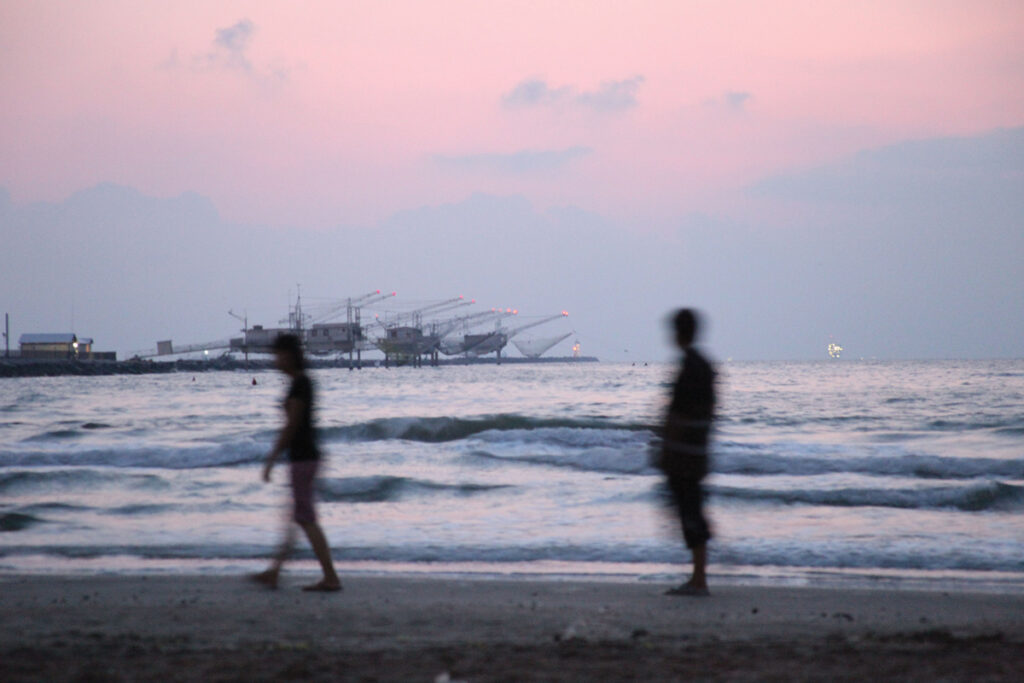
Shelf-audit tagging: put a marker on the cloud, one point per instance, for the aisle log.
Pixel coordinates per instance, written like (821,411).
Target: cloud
(534,92)
(736,100)
(229,52)
(228,49)
(611,96)
(523,161)
(231,44)
(931,172)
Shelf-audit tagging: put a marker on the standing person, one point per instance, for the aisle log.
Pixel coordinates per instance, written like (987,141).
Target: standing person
(298,438)
(684,453)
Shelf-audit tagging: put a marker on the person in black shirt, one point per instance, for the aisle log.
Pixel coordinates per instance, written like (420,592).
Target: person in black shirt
(298,438)
(684,451)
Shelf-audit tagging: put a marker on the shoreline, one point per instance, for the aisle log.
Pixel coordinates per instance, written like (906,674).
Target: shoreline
(191,627)
(542,571)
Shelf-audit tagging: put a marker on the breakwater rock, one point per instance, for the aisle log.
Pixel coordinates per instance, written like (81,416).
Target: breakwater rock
(25,367)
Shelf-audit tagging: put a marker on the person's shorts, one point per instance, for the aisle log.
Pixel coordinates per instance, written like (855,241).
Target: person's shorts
(303,474)
(688,495)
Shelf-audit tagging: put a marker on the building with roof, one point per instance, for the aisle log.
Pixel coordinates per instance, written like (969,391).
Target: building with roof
(59,346)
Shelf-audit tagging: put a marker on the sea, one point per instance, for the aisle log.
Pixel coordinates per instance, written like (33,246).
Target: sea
(897,474)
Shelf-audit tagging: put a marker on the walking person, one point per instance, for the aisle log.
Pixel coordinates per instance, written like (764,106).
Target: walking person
(684,452)
(298,439)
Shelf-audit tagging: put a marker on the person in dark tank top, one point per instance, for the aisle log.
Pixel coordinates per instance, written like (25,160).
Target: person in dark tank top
(298,439)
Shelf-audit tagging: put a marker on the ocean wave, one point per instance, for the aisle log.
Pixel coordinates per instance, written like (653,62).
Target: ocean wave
(164,457)
(26,516)
(140,509)
(446,429)
(753,460)
(569,437)
(17,521)
(800,420)
(378,489)
(591,460)
(54,434)
(500,434)
(620,449)
(75,479)
(53,506)
(865,556)
(972,498)
(994,423)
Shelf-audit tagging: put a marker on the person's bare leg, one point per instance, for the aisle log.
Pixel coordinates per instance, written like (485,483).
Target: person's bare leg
(700,564)
(269,576)
(698,584)
(323,553)
(285,550)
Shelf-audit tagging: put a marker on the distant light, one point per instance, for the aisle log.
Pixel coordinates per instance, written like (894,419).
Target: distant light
(565,313)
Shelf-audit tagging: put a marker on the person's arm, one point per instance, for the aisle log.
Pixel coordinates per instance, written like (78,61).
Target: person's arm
(293,412)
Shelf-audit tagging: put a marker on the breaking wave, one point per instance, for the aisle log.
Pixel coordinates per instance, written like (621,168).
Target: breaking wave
(593,460)
(754,460)
(380,489)
(972,498)
(445,429)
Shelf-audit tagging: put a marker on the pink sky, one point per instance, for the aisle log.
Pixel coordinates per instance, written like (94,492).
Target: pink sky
(339,113)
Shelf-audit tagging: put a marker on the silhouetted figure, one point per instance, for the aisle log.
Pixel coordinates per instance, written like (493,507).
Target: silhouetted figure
(254,381)
(684,453)
(298,438)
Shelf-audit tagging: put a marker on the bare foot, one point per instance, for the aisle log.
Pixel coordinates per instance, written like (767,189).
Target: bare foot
(267,579)
(689,590)
(323,586)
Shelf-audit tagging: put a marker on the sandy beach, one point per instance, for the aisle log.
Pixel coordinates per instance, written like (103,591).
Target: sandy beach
(190,627)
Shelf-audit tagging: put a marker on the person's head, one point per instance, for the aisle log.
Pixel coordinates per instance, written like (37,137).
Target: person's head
(288,353)
(685,323)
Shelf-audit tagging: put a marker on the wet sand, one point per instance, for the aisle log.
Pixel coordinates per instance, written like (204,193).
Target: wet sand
(76,628)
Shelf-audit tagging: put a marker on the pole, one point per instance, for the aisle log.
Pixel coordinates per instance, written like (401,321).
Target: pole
(245,332)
